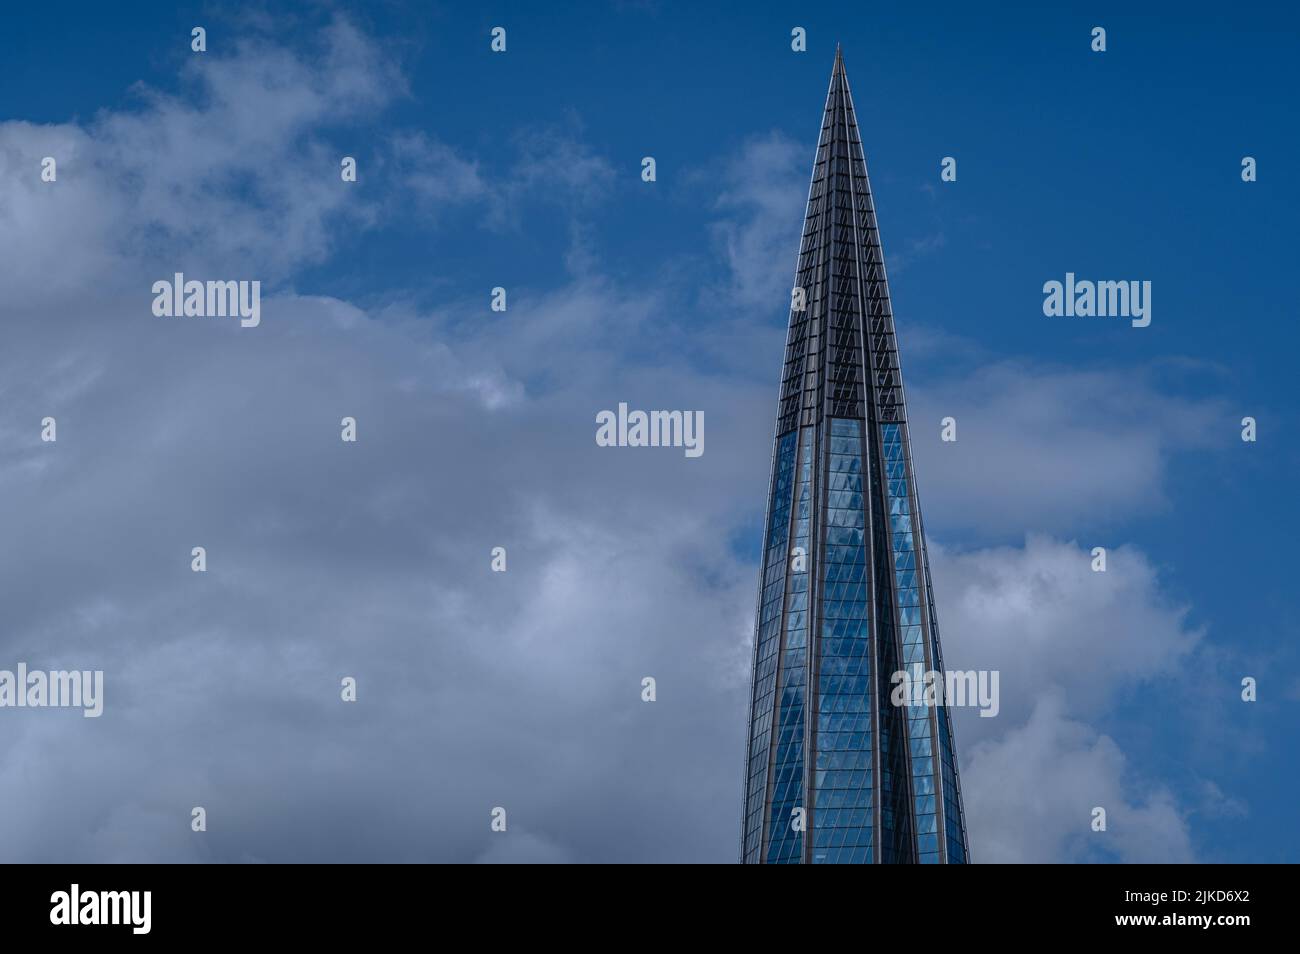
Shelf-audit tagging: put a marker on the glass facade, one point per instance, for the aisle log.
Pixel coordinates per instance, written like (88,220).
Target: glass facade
(786,840)
(837,770)
(771,604)
(842,822)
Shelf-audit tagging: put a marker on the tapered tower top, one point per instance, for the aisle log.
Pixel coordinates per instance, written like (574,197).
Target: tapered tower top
(841,270)
(871,779)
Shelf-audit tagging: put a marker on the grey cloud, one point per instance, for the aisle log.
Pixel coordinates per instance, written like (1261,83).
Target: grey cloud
(476,689)
(1067,643)
(1046,621)
(1030,796)
(1043,449)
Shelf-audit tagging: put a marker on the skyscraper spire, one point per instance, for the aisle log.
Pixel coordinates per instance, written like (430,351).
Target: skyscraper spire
(835,771)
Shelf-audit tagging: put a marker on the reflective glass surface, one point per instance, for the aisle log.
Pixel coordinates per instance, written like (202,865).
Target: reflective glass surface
(915,661)
(771,601)
(786,842)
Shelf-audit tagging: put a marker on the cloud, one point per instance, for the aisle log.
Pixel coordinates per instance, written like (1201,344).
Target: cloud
(1047,448)
(1047,622)
(434,172)
(1215,803)
(476,689)
(913,249)
(326,559)
(522,848)
(555,162)
(1067,642)
(222,689)
(236,171)
(761,214)
(1030,796)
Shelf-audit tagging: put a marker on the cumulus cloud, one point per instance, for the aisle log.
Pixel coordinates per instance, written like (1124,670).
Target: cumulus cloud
(1031,793)
(325,559)
(475,689)
(1041,616)
(1067,643)
(234,170)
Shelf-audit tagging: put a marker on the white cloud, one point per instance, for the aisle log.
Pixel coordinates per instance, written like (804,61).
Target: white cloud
(762,214)
(1030,795)
(325,559)
(1042,449)
(1067,643)
(1047,622)
(235,173)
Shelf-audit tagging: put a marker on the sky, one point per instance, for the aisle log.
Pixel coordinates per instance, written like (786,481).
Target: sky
(522,170)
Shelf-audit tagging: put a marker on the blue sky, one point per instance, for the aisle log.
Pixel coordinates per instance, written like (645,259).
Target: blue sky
(523,170)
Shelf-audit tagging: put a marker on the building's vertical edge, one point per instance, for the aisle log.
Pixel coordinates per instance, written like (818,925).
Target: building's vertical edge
(758,627)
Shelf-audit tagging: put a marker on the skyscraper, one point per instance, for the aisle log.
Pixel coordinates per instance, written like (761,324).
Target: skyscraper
(835,771)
